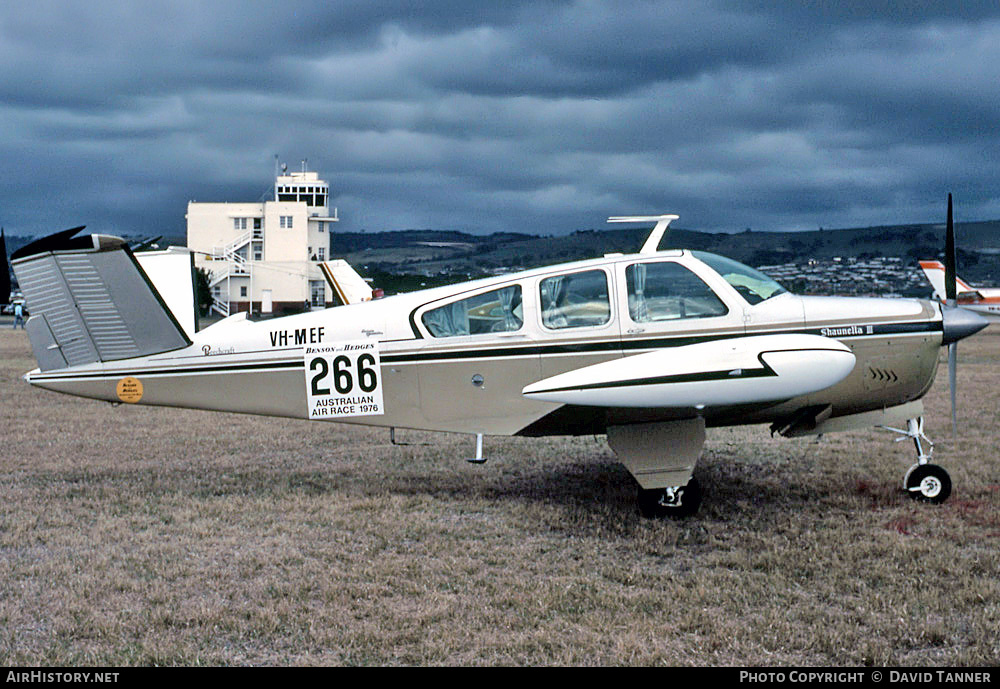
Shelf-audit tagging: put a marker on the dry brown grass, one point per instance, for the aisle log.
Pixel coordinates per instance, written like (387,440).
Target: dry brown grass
(157,536)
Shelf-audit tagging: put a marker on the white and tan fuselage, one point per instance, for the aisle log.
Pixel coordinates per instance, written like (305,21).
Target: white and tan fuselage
(476,383)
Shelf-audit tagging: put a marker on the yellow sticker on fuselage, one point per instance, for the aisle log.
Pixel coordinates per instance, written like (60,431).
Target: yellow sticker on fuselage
(129,390)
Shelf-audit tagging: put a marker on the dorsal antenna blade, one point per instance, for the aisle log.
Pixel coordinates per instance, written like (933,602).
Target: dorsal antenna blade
(653,241)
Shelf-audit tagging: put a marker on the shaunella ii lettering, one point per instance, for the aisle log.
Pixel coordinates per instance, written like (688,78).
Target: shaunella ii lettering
(848,330)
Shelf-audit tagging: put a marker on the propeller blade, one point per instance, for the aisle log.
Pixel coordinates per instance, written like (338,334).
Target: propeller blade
(952,376)
(950,269)
(951,294)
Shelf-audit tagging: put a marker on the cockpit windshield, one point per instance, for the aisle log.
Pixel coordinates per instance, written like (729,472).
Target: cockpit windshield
(752,284)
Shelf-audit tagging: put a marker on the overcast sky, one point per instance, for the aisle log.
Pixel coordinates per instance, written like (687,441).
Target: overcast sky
(535,116)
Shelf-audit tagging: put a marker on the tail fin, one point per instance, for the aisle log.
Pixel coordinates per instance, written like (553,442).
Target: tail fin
(90,301)
(934,270)
(349,287)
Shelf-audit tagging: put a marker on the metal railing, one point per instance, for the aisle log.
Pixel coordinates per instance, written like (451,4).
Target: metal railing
(236,265)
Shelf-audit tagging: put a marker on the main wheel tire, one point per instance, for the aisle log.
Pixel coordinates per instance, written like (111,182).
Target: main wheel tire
(928,483)
(656,503)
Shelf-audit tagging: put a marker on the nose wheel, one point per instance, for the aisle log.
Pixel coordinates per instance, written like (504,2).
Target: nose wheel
(924,482)
(927,483)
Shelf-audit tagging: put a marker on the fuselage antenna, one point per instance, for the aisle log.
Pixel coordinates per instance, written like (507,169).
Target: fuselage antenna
(653,241)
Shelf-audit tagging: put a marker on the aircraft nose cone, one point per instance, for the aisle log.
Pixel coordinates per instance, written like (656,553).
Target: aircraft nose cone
(960,323)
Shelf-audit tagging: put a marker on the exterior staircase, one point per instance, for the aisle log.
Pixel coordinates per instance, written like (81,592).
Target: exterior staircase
(235,264)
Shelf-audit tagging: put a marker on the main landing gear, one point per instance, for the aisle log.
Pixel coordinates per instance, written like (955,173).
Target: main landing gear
(924,481)
(672,501)
(666,486)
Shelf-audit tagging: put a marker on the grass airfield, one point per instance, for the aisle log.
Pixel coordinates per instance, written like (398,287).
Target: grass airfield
(139,536)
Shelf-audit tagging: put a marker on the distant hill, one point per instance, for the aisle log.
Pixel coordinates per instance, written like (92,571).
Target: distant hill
(431,257)
(432,253)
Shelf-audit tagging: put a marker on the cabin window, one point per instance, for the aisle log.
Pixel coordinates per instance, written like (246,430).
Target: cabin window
(576,300)
(753,285)
(491,312)
(668,291)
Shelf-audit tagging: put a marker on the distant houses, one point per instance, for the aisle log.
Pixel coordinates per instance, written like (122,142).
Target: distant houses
(883,276)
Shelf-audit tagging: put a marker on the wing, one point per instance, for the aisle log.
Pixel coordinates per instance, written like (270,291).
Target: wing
(748,370)
(172,273)
(349,287)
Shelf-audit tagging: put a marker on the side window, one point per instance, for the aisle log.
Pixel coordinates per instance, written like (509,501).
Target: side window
(667,291)
(490,312)
(575,300)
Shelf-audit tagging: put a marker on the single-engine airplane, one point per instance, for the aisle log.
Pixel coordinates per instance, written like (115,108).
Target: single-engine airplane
(649,348)
(983,300)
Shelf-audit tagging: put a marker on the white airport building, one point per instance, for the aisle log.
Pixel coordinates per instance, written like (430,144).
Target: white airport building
(264,257)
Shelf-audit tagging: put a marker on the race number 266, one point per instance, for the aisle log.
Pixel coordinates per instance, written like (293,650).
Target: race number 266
(343,380)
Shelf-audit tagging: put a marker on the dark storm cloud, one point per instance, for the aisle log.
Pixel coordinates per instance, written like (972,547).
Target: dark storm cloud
(533,116)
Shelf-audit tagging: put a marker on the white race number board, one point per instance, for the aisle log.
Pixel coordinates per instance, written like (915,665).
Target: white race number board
(343,380)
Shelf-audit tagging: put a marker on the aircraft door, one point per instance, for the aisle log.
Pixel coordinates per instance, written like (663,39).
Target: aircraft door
(479,353)
(578,322)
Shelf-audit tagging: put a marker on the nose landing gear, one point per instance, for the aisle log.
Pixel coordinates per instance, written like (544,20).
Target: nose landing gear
(924,481)
(927,483)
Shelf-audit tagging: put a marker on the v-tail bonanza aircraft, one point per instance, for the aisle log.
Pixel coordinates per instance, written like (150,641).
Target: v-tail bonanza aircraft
(649,348)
